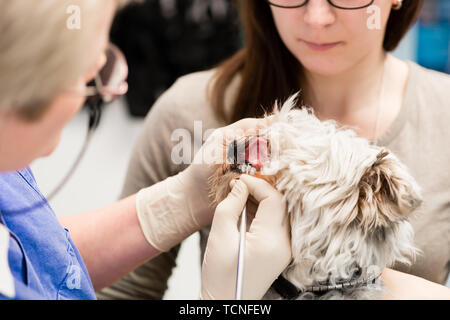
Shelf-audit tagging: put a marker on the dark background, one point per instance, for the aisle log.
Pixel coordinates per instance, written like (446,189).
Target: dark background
(165,39)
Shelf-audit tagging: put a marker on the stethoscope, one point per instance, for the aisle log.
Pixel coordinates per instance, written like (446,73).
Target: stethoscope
(109,84)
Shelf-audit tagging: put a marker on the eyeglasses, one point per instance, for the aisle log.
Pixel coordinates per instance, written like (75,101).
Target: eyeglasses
(340,4)
(109,84)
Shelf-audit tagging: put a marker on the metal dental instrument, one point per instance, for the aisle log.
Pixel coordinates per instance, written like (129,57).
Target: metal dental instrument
(241,254)
(250,163)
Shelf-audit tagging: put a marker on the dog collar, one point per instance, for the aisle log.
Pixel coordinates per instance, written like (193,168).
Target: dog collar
(290,292)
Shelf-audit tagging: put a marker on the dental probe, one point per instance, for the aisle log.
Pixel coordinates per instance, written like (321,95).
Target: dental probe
(247,169)
(241,254)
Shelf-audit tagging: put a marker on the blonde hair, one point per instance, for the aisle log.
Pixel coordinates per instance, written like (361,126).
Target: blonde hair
(40,56)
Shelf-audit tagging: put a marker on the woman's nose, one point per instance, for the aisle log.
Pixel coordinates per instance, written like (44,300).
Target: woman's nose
(319,13)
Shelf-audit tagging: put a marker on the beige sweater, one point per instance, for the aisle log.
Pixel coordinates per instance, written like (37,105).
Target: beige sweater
(419,136)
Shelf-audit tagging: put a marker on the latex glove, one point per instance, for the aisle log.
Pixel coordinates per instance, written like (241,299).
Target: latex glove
(267,247)
(175,208)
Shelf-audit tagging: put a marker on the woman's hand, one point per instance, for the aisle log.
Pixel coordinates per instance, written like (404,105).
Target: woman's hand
(173,209)
(267,247)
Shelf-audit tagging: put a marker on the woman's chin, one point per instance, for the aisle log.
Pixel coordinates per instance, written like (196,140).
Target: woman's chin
(48,152)
(322,64)
(51,148)
(323,67)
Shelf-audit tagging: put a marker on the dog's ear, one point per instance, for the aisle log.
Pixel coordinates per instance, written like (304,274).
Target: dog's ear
(387,193)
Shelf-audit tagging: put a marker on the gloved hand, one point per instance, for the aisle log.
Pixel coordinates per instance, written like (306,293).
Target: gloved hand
(267,247)
(175,208)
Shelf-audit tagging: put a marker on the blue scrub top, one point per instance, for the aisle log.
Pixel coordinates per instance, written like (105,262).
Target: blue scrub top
(43,259)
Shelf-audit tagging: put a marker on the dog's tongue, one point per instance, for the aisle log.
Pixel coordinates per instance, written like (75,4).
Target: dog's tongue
(256,153)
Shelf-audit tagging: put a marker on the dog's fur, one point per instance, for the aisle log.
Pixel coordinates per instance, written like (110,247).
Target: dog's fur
(348,201)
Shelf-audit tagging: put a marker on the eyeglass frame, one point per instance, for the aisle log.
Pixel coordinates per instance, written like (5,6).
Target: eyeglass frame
(98,94)
(106,93)
(329,1)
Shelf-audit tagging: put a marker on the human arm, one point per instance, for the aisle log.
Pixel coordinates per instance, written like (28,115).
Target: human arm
(404,286)
(110,241)
(168,212)
(150,163)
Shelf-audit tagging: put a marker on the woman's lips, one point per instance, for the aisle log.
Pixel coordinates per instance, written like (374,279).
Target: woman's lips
(321,46)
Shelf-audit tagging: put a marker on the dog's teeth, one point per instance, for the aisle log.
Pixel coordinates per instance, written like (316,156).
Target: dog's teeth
(247,169)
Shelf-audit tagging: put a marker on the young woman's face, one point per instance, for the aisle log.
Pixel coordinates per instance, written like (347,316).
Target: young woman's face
(327,40)
(22,142)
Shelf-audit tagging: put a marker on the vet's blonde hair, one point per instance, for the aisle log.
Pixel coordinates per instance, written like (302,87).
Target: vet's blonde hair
(40,56)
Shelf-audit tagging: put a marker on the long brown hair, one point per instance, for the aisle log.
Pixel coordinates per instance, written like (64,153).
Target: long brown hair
(268,69)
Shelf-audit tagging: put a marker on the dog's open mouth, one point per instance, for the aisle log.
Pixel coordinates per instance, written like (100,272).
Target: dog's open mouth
(248,155)
(245,155)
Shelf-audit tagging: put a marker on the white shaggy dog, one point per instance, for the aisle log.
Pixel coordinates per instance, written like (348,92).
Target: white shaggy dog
(348,203)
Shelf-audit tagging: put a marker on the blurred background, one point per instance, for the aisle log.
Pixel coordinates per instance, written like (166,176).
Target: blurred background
(162,40)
